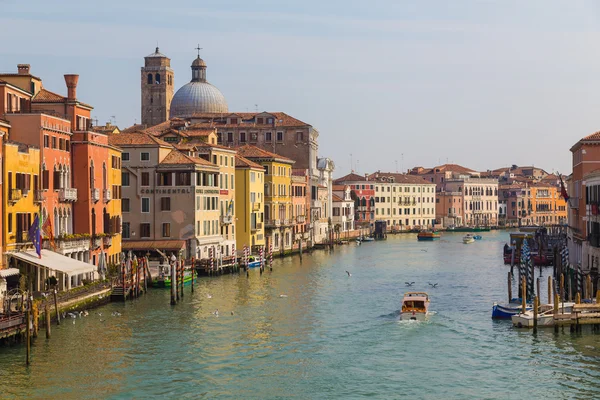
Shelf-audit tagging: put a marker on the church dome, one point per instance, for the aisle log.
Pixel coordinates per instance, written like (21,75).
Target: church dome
(198,96)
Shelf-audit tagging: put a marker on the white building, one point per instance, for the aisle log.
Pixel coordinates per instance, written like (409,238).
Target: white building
(343,210)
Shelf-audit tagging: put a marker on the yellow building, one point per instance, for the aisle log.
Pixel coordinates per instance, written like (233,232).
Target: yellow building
(4,129)
(249,204)
(278,196)
(21,203)
(113,207)
(547,207)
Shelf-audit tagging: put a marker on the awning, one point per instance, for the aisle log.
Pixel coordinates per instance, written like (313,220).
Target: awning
(153,244)
(9,272)
(54,261)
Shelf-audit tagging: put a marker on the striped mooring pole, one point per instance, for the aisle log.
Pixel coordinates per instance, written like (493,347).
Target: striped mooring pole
(262,260)
(271,256)
(212,261)
(234,256)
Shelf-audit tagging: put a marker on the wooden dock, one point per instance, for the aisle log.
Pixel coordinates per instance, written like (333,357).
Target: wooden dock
(582,314)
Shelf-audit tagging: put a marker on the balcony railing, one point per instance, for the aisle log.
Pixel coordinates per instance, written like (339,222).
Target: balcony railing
(95,194)
(300,219)
(255,206)
(107,241)
(106,193)
(95,241)
(67,194)
(15,195)
(226,219)
(256,227)
(38,196)
(69,244)
(273,223)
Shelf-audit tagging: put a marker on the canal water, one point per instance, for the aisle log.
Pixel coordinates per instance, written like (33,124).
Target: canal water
(309,331)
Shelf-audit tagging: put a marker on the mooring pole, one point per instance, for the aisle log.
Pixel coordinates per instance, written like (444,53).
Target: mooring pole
(173,280)
(28,329)
(193,271)
(509,286)
(56,307)
(47,315)
(549,290)
(535,313)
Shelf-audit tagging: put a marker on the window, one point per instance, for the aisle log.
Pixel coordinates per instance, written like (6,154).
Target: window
(145,156)
(125,205)
(299,136)
(116,162)
(46,141)
(149,79)
(166,230)
(145,230)
(280,136)
(165,204)
(268,137)
(54,142)
(230,137)
(125,156)
(126,230)
(145,178)
(10,223)
(145,204)
(243,137)
(165,179)
(124,178)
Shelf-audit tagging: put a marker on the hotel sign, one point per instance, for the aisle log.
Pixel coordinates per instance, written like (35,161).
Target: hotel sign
(179,191)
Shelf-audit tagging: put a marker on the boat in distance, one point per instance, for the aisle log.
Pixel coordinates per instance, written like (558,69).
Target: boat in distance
(428,236)
(545,315)
(415,306)
(468,238)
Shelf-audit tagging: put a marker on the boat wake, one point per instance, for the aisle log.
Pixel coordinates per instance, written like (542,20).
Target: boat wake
(392,315)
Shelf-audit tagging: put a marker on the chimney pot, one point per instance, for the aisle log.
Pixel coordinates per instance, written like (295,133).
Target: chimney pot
(23,69)
(71,81)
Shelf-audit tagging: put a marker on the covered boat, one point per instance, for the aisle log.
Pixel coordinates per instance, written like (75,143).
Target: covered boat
(428,235)
(415,306)
(506,311)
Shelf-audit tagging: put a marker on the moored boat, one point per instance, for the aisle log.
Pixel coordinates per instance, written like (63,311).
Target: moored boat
(415,306)
(368,239)
(545,315)
(506,311)
(468,238)
(428,235)
(163,279)
(253,262)
(477,237)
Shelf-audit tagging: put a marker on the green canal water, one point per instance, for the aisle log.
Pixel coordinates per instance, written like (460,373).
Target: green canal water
(332,337)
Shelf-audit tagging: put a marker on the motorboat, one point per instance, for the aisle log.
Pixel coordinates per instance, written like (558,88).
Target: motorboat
(415,306)
(428,236)
(545,315)
(477,237)
(368,239)
(507,310)
(253,262)
(468,238)
(163,278)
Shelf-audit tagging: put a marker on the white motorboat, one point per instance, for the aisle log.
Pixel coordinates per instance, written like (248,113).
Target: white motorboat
(545,315)
(468,238)
(415,306)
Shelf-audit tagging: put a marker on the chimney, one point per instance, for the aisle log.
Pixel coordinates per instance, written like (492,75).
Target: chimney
(71,80)
(366,176)
(23,69)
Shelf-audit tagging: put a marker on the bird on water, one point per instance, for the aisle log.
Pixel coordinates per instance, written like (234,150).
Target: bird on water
(433,285)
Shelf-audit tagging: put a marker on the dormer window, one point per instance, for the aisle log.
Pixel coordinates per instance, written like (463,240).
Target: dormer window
(269,120)
(233,121)
(260,120)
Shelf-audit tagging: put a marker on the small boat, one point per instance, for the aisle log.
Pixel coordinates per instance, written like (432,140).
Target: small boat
(468,238)
(163,279)
(253,262)
(506,311)
(415,306)
(368,239)
(545,315)
(428,235)
(477,237)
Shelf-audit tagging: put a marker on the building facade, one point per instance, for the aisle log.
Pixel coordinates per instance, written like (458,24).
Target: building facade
(343,211)
(249,205)
(480,199)
(363,194)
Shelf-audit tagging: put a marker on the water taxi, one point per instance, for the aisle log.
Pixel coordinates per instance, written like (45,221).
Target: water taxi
(415,306)
(545,315)
(428,235)
(468,238)
(253,262)
(163,278)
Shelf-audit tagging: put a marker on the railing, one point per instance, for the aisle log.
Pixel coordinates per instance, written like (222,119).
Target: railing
(273,222)
(68,244)
(15,194)
(255,206)
(95,194)
(67,194)
(256,227)
(107,195)
(107,241)
(96,241)
(226,219)
(38,196)
(300,219)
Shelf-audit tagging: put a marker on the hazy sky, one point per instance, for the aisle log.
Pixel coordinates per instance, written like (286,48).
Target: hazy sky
(481,83)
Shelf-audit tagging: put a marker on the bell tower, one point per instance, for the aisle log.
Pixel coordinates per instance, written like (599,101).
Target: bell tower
(157,88)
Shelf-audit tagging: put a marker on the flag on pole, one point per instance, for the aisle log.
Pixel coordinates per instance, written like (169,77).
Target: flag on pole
(563,191)
(47,231)
(35,236)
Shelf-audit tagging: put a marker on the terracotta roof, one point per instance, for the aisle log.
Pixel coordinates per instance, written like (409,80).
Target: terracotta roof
(158,129)
(46,96)
(184,146)
(134,128)
(351,177)
(338,187)
(135,139)
(204,145)
(242,162)
(281,118)
(250,151)
(399,178)
(176,157)
(593,137)
(453,168)
(337,198)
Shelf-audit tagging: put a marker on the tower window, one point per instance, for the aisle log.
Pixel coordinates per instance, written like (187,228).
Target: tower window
(150,79)
(157,78)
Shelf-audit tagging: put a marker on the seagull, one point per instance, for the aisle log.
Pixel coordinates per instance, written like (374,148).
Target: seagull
(232,313)
(433,285)
(73,322)
(349,274)
(100,314)
(283,295)
(425,250)
(208,296)
(216,313)
(409,283)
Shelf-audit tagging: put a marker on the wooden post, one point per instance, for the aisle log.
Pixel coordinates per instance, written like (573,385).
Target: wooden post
(193,271)
(509,286)
(556,301)
(524,295)
(300,248)
(47,316)
(598,296)
(28,330)
(578,298)
(538,293)
(146,275)
(562,287)
(56,307)
(590,290)
(176,263)
(173,279)
(535,313)
(182,276)
(550,290)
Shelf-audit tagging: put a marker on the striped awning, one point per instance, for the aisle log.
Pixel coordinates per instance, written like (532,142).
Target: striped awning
(9,272)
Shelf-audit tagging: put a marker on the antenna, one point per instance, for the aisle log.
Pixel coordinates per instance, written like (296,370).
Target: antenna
(357,161)
(396,161)
(256,107)
(113,119)
(351,164)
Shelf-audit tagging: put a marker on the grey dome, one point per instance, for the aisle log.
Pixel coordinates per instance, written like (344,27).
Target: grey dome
(197,97)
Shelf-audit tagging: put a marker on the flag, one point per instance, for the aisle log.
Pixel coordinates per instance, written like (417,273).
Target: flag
(47,231)
(563,191)
(231,207)
(35,237)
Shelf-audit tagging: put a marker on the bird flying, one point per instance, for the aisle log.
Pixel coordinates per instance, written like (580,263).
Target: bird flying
(409,283)
(349,274)
(433,285)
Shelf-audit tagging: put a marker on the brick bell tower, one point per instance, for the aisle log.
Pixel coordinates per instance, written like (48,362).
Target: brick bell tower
(157,88)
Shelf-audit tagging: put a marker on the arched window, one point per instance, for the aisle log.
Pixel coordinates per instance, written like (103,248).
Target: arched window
(150,79)
(157,78)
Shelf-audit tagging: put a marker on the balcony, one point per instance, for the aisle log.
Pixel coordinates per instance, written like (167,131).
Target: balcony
(67,194)
(301,219)
(256,227)
(70,243)
(38,196)
(226,219)
(95,240)
(255,206)
(95,195)
(273,223)
(107,195)
(107,241)
(14,195)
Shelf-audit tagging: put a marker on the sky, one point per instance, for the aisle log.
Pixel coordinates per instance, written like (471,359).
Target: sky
(388,84)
